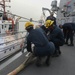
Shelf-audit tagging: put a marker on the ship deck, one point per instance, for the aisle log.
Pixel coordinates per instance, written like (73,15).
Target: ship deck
(62,65)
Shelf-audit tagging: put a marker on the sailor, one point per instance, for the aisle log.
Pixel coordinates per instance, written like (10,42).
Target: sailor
(68,30)
(42,47)
(51,17)
(55,35)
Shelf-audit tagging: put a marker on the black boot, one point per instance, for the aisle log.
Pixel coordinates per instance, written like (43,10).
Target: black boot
(66,43)
(71,44)
(59,51)
(48,60)
(56,53)
(38,62)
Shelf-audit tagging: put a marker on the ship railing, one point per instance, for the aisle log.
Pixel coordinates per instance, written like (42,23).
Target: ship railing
(15,32)
(5,49)
(12,41)
(20,38)
(10,49)
(22,49)
(20,16)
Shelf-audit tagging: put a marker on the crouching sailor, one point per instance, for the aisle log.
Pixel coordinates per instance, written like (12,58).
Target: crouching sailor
(42,47)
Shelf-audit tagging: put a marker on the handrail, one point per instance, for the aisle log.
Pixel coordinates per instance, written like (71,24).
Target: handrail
(11,41)
(8,48)
(19,16)
(14,32)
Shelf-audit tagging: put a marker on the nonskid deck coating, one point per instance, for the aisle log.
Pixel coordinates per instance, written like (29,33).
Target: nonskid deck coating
(62,65)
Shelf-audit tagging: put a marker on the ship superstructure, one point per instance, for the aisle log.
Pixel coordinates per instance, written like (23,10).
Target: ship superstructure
(65,12)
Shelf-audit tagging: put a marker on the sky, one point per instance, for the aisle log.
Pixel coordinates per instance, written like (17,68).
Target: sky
(30,8)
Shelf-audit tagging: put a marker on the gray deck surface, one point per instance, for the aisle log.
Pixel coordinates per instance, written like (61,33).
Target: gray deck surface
(62,65)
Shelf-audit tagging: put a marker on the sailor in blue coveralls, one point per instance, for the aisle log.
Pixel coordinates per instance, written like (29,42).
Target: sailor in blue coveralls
(42,47)
(68,30)
(51,17)
(55,35)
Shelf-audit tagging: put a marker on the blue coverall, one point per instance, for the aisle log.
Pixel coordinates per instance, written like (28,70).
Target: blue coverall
(57,37)
(68,29)
(42,46)
(51,18)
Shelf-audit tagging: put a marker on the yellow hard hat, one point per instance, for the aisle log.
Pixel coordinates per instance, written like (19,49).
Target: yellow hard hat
(27,24)
(49,23)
